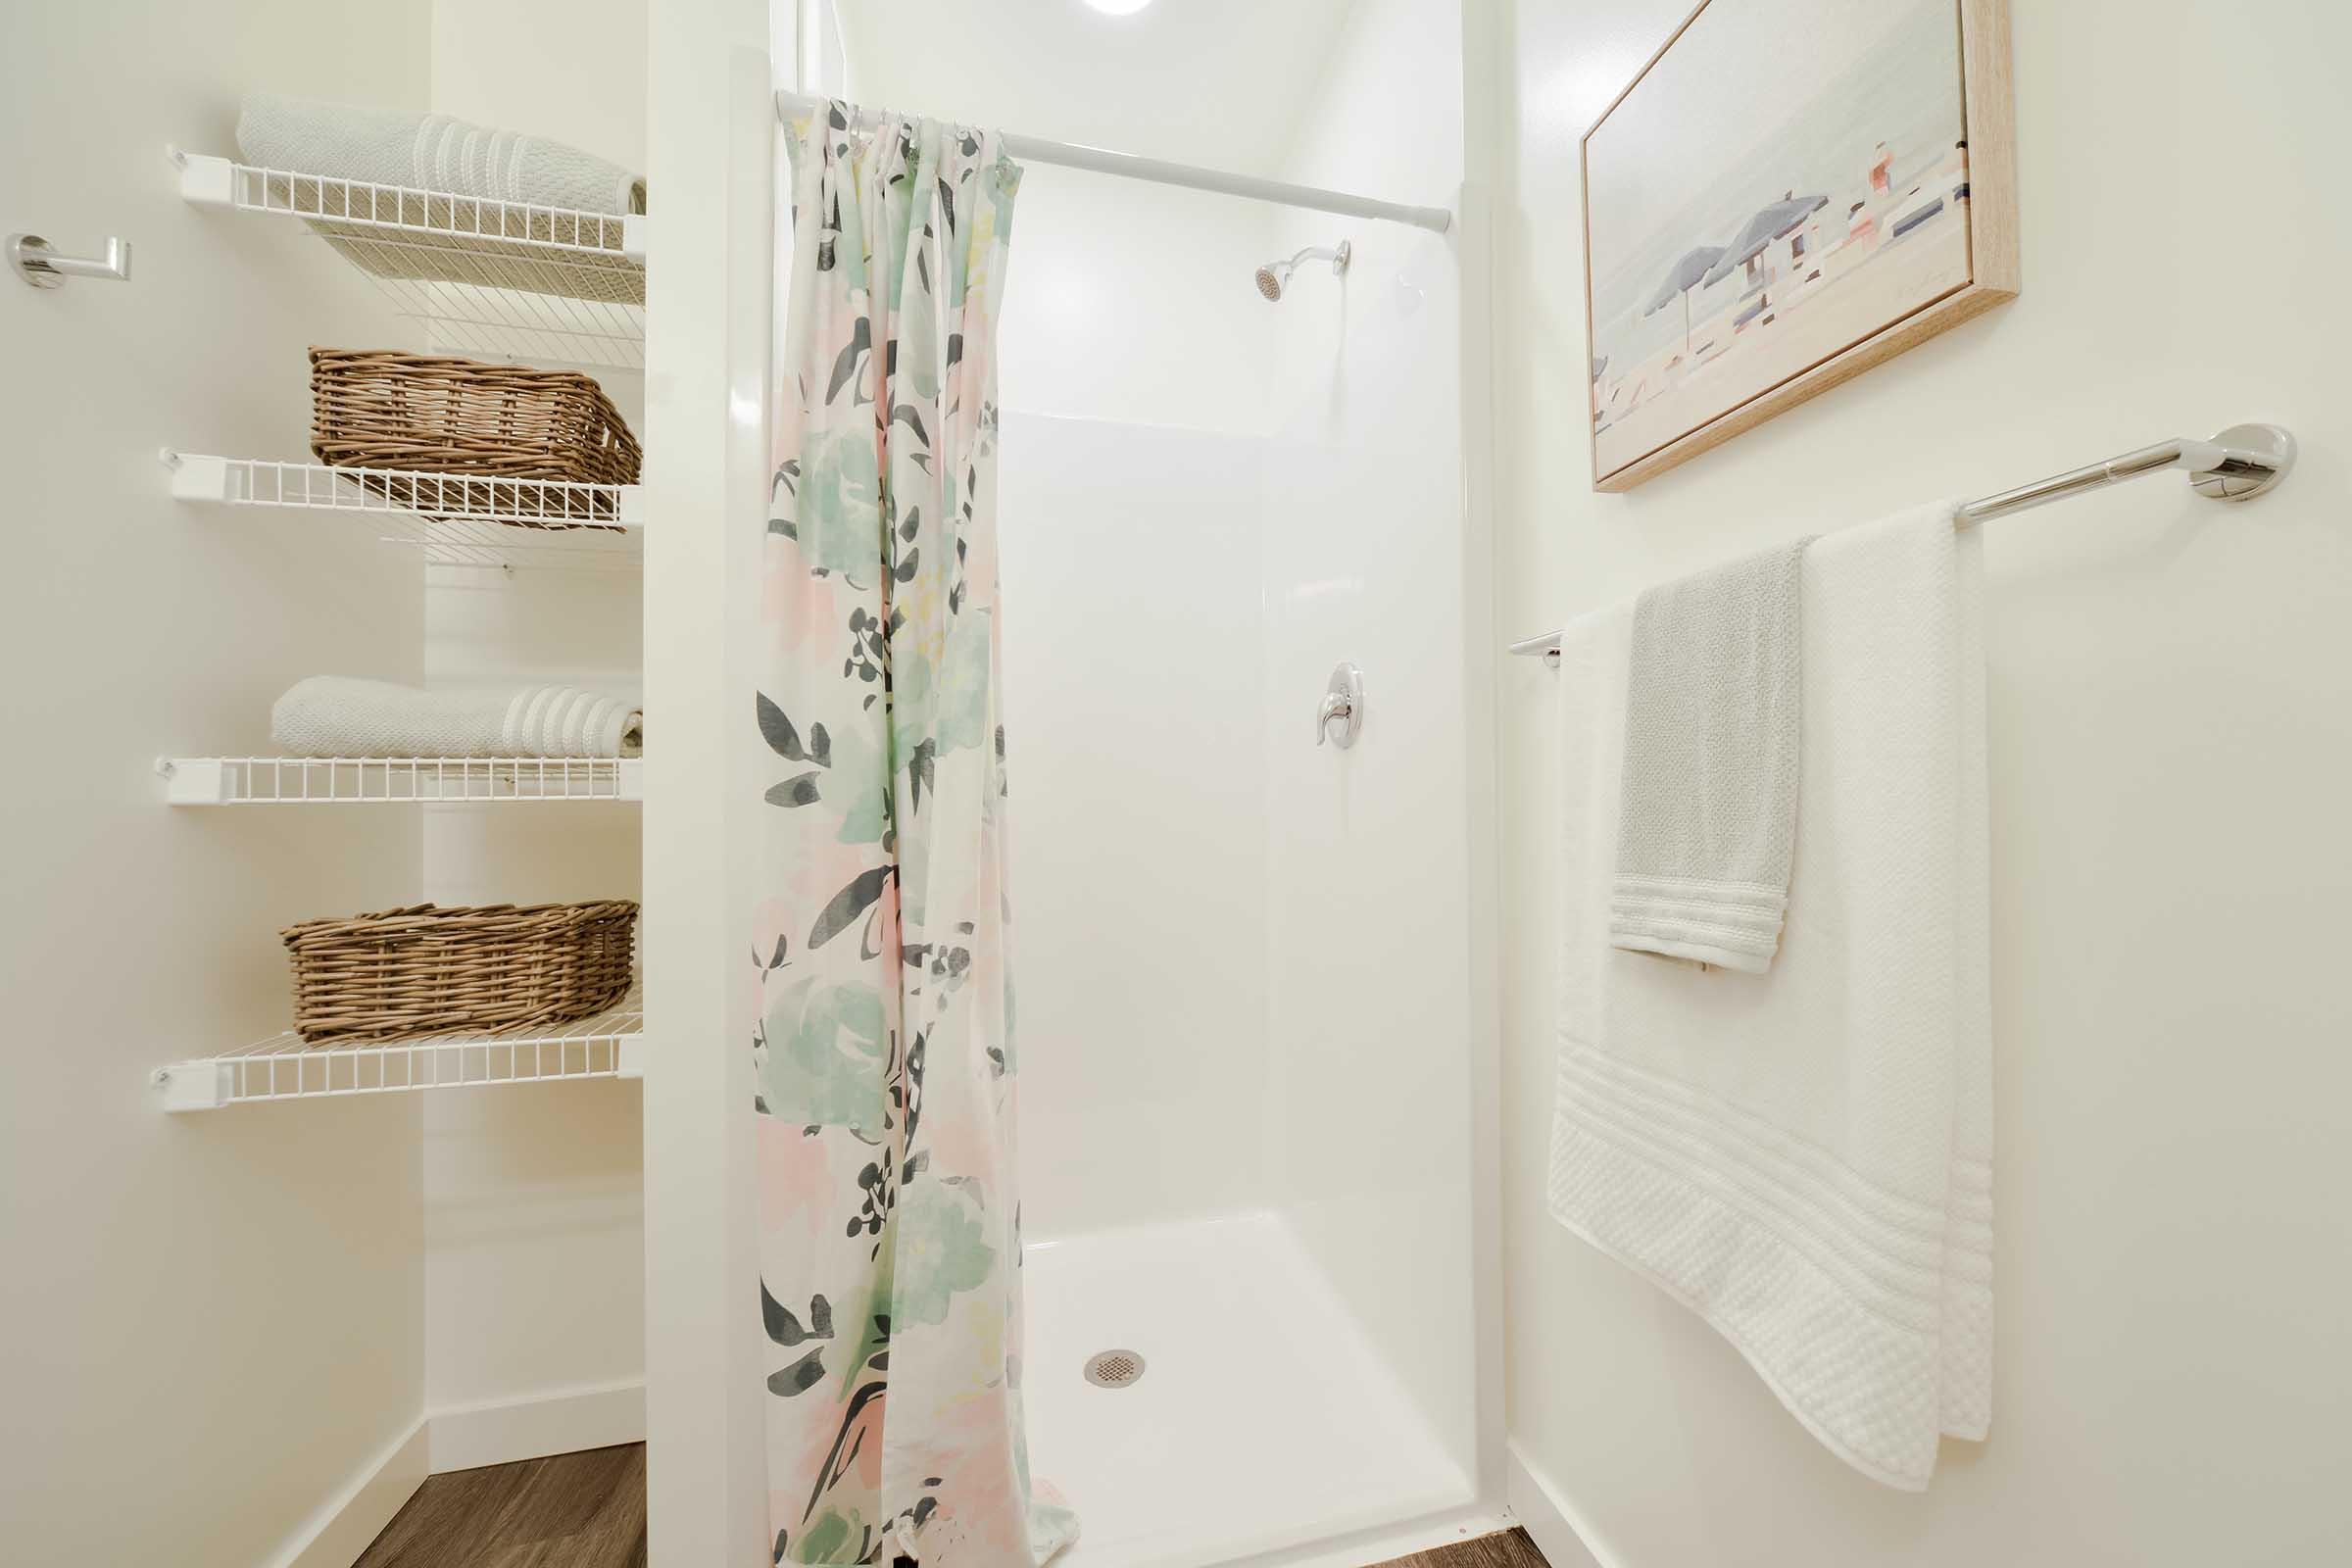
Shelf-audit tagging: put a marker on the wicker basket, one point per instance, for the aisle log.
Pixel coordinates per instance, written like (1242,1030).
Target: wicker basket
(424,970)
(380,409)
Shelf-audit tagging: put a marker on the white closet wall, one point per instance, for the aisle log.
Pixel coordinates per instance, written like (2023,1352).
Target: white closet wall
(534,1201)
(214,1323)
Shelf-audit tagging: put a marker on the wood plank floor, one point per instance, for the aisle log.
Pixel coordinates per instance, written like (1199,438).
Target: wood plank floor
(573,1510)
(1508,1548)
(587,1510)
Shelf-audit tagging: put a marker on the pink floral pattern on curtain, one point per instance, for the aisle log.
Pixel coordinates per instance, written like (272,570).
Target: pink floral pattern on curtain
(890,1214)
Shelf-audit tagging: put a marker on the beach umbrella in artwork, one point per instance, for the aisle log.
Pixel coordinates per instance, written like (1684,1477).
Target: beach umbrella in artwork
(1681,279)
(1779,219)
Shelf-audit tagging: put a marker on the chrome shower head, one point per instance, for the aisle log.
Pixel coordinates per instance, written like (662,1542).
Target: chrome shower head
(1274,276)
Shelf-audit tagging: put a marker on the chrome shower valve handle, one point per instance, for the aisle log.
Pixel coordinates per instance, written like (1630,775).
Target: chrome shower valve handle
(1335,705)
(1344,702)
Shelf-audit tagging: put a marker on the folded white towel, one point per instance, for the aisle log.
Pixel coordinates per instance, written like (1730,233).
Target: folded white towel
(429,152)
(333,715)
(1710,764)
(1805,1157)
(435,153)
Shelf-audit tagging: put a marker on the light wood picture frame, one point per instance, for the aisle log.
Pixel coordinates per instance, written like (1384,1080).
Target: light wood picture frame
(1788,193)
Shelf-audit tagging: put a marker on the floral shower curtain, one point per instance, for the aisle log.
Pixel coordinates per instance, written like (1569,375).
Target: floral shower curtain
(890,1256)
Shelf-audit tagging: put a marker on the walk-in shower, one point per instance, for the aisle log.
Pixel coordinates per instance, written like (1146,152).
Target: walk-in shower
(1244,960)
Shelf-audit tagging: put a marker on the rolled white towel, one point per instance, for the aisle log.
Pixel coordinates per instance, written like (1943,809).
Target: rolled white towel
(335,715)
(567,721)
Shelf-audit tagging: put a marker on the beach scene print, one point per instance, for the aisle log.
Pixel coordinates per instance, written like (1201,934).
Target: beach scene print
(1788,178)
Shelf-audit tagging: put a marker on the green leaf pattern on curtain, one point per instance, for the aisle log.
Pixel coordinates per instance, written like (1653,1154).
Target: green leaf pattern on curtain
(890,1220)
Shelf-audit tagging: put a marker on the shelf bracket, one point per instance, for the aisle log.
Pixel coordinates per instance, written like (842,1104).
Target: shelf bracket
(205,181)
(189,1086)
(197,477)
(193,780)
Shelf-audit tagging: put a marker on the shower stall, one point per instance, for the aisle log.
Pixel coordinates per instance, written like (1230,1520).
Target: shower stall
(1247,942)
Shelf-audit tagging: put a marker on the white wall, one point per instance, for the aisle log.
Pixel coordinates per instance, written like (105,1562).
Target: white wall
(1137,303)
(1133,689)
(572,72)
(534,1201)
(534,1205)
(1369,852)
(2169,730)
(1125,300)
(209,1325)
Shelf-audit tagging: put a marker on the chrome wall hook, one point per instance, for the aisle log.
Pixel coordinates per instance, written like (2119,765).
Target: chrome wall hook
(40,264)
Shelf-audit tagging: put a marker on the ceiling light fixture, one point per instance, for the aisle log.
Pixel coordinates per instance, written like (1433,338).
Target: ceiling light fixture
(1118,8)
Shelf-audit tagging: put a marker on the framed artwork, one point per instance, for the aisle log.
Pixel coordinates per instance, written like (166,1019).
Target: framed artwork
(1791,192)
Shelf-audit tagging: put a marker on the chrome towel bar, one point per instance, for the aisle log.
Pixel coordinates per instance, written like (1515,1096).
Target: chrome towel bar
(2238,464)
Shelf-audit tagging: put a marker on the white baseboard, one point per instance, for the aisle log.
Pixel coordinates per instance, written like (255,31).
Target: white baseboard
(461,1438)
(340,1530)
(1538,1506)
(1383,1543)
(503,1431)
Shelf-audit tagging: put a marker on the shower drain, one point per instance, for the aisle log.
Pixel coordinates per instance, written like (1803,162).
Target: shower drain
(1113,1369)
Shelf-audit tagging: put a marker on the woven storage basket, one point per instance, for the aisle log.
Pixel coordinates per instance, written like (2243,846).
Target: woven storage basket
(380,409)
(425,970)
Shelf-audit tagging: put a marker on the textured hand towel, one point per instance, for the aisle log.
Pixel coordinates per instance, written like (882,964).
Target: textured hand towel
(1805,1159)
(332,715)
(1710,764)
(429,152)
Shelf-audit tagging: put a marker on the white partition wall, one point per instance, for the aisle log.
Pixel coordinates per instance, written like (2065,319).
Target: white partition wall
(709,138)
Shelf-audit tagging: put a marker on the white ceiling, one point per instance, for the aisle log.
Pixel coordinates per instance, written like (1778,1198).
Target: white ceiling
(1205,81)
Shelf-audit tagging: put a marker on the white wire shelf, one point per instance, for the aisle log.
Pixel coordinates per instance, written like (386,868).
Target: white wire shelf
(452,519)
(397,780)
(506,278)
(610,1045)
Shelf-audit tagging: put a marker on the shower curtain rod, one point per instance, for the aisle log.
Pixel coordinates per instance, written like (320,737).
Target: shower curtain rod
(1102,161)
(2238,464)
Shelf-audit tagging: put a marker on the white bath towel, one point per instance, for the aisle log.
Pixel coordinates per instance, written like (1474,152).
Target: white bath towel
(429,152)
(1711,740)
(333,715)
(1805,1158)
